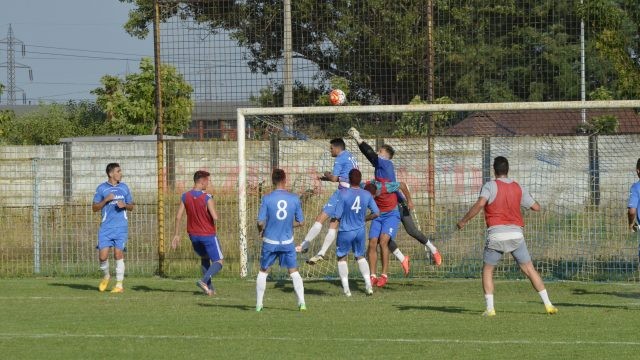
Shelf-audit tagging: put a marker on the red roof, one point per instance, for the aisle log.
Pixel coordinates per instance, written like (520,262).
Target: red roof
(539,122)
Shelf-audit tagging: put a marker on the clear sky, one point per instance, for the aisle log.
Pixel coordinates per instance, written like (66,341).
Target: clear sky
(70,45)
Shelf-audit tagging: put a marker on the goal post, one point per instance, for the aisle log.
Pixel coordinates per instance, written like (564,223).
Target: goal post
(563,148)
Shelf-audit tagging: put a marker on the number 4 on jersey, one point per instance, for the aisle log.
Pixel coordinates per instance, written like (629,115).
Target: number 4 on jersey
(356,205)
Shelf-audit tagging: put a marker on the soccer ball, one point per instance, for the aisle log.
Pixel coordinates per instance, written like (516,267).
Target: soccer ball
(337,97)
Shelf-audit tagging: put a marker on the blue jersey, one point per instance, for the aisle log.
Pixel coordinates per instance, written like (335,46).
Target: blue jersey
(345,161)
(278,210)
(352,209)
(384,170)
(112,215)
(634,199)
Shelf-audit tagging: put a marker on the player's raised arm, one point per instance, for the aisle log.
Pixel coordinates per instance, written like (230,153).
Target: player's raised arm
(365,148)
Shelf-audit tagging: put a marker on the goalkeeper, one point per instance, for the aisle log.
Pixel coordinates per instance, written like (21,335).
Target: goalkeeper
(405,206)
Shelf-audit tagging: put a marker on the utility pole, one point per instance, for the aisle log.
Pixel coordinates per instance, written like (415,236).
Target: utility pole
(12,65)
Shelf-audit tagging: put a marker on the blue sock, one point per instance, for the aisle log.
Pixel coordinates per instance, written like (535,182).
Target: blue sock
(212,271)
(205,263)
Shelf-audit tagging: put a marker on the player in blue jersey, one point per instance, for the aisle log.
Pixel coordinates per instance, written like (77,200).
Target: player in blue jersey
(201,227)
(394,206)
(634,203)
(345,161)
(113,199)
(280,211)
(352,212)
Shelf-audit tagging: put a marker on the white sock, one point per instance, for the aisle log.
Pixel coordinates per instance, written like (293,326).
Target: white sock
(363,265)
(399,255)
(343,271)
(489,299)
(313,232)
(432,248)
(298,286)
(261,286)
(119,270)
(545,297)
(104,266)
(328,241)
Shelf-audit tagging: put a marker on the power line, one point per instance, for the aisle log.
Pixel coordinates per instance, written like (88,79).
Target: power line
(87,50)
(82,56)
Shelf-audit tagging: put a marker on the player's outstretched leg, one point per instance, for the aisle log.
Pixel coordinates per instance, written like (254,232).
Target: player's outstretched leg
(329,239)
(413,231)
(404,259)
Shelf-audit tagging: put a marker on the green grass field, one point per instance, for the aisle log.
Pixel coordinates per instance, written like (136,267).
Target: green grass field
(62,318)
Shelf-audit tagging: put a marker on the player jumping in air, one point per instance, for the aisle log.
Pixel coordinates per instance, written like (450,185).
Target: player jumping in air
(280,211)
(501,200)
(113,199)
(344,162)
(352,212)
(201,227)
(405,206)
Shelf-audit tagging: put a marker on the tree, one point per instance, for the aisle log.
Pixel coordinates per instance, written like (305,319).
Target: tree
(129,103)
(503,50)
(616,30)
(44,126)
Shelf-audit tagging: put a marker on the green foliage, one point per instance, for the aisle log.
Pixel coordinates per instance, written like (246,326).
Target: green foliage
(417,124)
(130,102)
(49,123)
(44,126)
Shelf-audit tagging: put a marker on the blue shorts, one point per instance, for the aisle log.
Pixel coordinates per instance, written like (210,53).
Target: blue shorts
(286,254)
(113,237)
(350,241)
(332,205)
(207,246)
(387,223)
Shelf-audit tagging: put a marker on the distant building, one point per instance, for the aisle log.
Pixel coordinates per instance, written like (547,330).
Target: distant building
(539,122)
(211,119)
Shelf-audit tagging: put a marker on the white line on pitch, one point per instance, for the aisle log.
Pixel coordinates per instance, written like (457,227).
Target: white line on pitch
(272,338)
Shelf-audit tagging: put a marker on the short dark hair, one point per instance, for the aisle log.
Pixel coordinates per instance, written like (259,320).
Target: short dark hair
(372,188)
(200,174)
(638,164)
(111,167)
(501,165)
(278,176)
(338,142)
(389,149)
(355,177)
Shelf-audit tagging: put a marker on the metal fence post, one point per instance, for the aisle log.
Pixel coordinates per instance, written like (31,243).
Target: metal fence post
(37,239)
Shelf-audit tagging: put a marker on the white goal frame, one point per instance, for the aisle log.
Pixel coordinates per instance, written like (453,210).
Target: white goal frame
(242,113)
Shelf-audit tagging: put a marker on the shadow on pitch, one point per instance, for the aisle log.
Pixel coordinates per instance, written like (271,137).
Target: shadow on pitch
(626,295)
(246,307)
(144,288)
(444,309)
(287,287)
(77,286)
(597,306)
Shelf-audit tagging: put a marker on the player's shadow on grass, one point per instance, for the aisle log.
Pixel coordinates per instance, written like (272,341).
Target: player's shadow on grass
(626,295)
(598,306)
(445,309)
(77,286)
(144,288)
(287,287)
(237,306)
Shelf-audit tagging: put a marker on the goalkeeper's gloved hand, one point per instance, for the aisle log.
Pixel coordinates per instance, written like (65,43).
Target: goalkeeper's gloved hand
(355,135)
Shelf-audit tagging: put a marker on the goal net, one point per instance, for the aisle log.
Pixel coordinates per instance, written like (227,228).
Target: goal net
(577,159)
